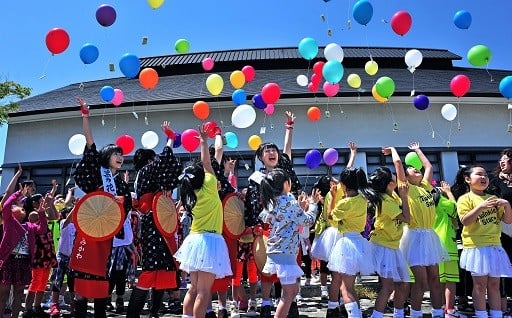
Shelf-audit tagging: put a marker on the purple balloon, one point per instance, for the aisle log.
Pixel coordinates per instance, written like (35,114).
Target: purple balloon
(330,156)
(421,102)
(177,140)
(313,158)
(258,102)
(106,15)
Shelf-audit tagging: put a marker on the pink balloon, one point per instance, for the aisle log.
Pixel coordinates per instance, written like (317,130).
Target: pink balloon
(331,89)
(118,97)
(271,93)
(249,73)
(316,78)
(269,110)
(460,85)
(208,64)
(401,22)
(190,139)
(330,156)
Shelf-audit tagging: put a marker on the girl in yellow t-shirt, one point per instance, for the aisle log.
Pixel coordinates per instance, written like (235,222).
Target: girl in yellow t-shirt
(204,253)
(482,254)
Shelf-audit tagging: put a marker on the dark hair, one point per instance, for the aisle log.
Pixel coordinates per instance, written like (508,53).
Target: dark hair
(192,179)
(28,205)
(505,152)
(28,182)
(272,186)
(106,152)
(355,179)
(380,178)
(323,184)
(64,212)
(142,157)
(263,146)
(460,185)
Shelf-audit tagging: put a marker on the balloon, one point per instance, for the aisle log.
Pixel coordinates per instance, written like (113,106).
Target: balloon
(243,116)
(89,53)
(330,156)
(57,40)
(308,48)
(182,46)
(330,89)
(149,139)
(231,140)
(413,59)
(333,71)
(107,93)
(118,97)
(412,159)
(314,113)
(249,73)
(239,97)
(362,12)
(354,80)
(129,64)
(421,102)
(313,158)
(449,112)
(148,78)
(312,87)
(209,127)
(376,95)
(76,144)
(106,15)
(201,110)
(462,19)
(479,55)
(214,84)
(401,22)
(316,79)
(371,67)
(333,52)
(190,139)
(385,86)
(155,4)
(177,140)
(257,101)
(254,142)
(318,66)
(302,80)
(271,93)
(208,64)
(460,85)
(269,110)
(126,142)
(506,87)
(237,79)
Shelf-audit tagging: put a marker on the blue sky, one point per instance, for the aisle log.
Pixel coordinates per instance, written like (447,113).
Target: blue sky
(229,24)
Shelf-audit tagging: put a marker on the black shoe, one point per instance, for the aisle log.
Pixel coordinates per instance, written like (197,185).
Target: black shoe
(266,311)
(294,310)
(333,313)
(223,313)
(210,314)
(28,313)
(110,307)
(175,309)
(40,313)
(343,311)
(120,306)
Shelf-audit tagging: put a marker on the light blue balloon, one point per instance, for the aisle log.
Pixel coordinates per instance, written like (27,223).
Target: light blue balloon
(333,71)
(506,87)
(231,139)
(462,19)
(129,64)
(362,12)
(239,97)
(308,48)
(107,93)
(89,53)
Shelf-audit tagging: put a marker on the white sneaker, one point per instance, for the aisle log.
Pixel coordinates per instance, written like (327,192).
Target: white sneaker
(298,299)
(324,294)
(276,301)
(454,314)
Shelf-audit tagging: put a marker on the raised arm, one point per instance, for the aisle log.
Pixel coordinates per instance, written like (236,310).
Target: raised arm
(11,187)
(429,173)
(84,108)
(397,162)
(290,120)
(205,152)
(166,128)
(353,152)
(55,186)
(219,146)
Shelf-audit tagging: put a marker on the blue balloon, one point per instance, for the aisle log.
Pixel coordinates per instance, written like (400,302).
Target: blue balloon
(506,87)
(89,53)
(129,64)
(333,71)
(421,102)
(462,19)
(107,93)
(177,140)
(313,158)
(308,48)
(257,101)
(239,97)
(231,139)
(362,12)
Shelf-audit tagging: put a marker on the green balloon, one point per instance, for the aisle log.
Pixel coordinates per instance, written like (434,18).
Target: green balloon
(385,87)
(479,55)
(182,46)
(412,159)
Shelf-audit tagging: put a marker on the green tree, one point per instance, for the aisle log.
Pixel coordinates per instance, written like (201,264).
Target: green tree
(10,93)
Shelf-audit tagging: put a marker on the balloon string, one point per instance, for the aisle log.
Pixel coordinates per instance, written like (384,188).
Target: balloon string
(430,124)
(115,119)
(487,70)
(458,115)
(320,143)
(390,111)
(327,19)
(413,87)
(348,15)
(367,43)
(45,67)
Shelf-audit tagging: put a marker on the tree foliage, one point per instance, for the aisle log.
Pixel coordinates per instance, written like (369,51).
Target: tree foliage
(10,93)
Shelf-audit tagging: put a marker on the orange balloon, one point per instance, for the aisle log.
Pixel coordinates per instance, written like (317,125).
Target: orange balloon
(376,95)
(148,78)
(201,110)
(314,113)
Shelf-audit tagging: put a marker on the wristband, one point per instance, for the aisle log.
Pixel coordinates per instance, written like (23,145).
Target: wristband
(290,122)
(169,133)
(84,109)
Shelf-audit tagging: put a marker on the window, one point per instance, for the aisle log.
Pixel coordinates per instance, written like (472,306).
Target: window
(488,159)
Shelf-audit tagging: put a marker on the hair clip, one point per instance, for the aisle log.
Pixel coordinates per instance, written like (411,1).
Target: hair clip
(185,174)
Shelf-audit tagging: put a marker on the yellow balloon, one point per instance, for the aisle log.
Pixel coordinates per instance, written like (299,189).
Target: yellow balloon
(376,95)
(155,4)
(254,142)
(237,79)
(371,67)
(214,84)
(354,81)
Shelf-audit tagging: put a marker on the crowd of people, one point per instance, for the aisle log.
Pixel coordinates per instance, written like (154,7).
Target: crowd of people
(399,225)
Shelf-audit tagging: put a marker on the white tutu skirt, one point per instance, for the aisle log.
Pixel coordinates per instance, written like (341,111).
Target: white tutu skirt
(490,261)
(390,263)
(351,255)
(422,247)
(287,274)
(205,252)
(322,245)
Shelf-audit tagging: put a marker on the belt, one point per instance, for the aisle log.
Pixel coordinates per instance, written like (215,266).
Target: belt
(19,256)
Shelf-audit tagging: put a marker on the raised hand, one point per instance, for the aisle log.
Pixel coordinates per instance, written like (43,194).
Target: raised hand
(414,145)
(84,108)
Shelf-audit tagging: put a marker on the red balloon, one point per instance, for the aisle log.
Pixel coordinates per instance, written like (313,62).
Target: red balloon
(316,79)
(209,127)
(270,93)
(57,40)
(249,73)
(190,139)
(401,22)
(318,67)
(460,85)
(126,142)
(312,87)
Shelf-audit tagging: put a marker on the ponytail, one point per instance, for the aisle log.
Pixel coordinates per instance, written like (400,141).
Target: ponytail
(272,186)
(191,179)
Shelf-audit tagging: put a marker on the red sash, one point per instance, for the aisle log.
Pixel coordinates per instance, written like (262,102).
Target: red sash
(90,257)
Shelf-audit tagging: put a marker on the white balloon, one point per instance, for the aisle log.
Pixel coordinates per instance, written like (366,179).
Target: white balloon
(413,59)
(334,52)
(76,144)
(302,80)
(243,116)
(449,112)
(149,139)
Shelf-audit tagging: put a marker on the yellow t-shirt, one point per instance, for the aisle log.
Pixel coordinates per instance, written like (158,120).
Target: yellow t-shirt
(388,230)
(421,206)
(350,214)
(486,231)
(207,213)
(340,194)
